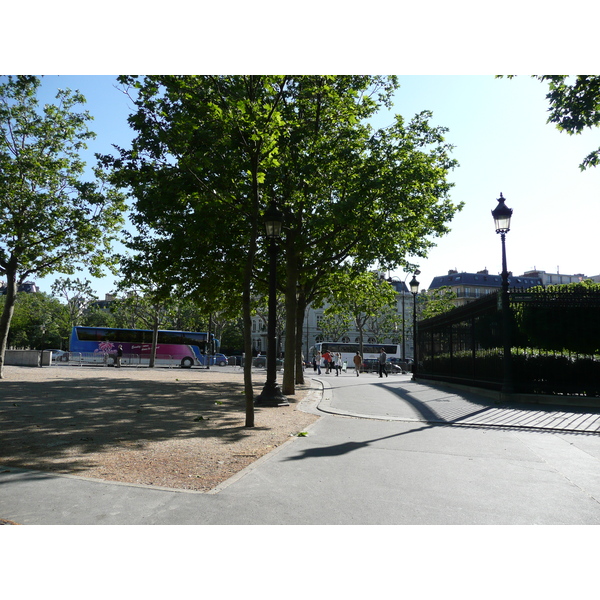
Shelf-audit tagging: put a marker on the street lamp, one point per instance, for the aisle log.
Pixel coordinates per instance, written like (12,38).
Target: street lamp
(403,313)
(502,215)
(271,393)
(414,290)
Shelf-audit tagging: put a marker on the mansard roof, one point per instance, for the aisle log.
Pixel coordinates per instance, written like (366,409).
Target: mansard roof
(482,279)
(399,286)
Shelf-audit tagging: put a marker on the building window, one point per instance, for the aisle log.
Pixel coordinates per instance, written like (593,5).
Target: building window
(319,321)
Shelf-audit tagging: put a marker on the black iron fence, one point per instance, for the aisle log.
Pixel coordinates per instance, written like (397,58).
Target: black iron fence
(555,340)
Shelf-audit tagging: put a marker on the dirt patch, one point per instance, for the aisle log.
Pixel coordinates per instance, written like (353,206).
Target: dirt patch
(177,428)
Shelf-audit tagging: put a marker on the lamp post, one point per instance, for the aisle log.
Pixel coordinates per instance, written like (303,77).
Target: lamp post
(417,272)
(502,215)
(271,393)
(414,290)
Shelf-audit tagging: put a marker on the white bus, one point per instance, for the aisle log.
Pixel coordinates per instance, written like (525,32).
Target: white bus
(348,351)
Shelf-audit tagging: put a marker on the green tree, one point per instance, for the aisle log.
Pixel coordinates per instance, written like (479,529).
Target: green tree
(78,296)
(39,321)
(350,193)
(94,316)
(334,325)
(574,106)
(148,309)
(212,152)
(50,218)
(195,170)
(435,302)
(386,325)
(232,339)
(362,296)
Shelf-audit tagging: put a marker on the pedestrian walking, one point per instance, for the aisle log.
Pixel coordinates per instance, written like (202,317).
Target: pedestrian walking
(382,361)
(357,362)
(327,359)
(337,362)
(119,355)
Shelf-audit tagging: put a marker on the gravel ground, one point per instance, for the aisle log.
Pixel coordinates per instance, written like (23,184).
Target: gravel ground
(176,428)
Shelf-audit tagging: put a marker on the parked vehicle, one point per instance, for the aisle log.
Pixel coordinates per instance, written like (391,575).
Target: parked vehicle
(219,359)
(186,347)
(261,362)
(400,366)
(235,361)
(349,350)
(370,364)
(58,355)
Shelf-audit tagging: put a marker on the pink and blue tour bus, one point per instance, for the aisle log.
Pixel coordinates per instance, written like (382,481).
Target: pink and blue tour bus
(185,347)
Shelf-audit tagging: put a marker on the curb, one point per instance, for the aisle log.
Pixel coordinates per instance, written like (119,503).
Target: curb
(307,405)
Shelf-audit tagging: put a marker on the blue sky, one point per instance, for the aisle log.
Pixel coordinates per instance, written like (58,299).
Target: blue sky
(503,144)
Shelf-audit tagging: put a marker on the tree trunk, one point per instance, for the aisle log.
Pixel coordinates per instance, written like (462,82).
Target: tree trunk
(289,368)
(247,320)
(7,313)
(247,295)
(154,340)
(360,328)
(300,313)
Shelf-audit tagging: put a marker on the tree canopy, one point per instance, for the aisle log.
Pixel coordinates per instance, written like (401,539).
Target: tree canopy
(363,297)
(575,106)
(51,218)
(39,321)
(212,152)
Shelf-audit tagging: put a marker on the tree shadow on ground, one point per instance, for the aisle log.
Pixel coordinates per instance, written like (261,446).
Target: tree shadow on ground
(41,422)
(347,447)
(441,406)
(429,412)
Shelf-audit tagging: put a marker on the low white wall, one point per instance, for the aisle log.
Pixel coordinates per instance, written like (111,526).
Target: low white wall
(28,358)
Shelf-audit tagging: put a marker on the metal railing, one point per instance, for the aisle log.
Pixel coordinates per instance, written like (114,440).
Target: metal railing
(554,349)
(109,360)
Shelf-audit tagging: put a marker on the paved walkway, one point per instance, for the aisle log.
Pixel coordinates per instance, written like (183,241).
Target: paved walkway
(387,451)
(406,400)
